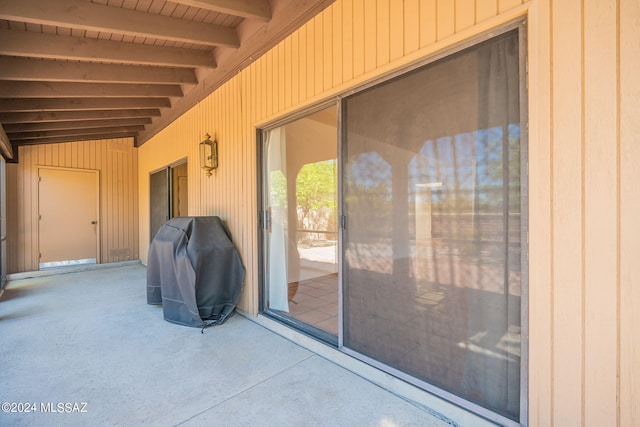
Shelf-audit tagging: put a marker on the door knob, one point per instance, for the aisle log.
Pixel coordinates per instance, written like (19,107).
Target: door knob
(94,222)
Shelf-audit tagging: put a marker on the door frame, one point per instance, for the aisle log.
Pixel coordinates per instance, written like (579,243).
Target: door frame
(97,204)
(170,190)
(263,219)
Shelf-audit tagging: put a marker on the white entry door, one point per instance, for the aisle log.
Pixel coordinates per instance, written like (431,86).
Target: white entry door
(68,209)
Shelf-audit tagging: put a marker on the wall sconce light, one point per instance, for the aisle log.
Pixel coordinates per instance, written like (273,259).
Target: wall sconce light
(208,154)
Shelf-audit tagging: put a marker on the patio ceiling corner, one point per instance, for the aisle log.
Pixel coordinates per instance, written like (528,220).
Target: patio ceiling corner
(78,70)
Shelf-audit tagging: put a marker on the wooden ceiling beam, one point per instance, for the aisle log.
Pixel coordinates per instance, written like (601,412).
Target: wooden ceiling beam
(5,145)
(28,69)
(11,89)
(84,15)
(19,136)
(252,9)
(77,138)
(260,37)
(62,104)
(58,116)
(73,124)
(40,45)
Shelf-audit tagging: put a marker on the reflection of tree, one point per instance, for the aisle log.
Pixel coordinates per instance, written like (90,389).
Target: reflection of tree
(369,196)
(316,196)
(470,167)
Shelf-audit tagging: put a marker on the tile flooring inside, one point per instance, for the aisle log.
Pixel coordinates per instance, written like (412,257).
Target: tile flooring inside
(315,301)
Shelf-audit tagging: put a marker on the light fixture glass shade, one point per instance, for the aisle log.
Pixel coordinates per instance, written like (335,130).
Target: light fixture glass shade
(208,154)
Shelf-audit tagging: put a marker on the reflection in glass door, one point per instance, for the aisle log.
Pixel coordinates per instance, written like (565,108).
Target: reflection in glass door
(434,211)
(300,227)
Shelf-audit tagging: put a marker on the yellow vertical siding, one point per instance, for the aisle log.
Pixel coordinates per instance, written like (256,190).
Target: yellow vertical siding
(567,217)
(115,159)
(541,264)
(584,201)
(601,211)
(584,104)
(629,212)
(350,42)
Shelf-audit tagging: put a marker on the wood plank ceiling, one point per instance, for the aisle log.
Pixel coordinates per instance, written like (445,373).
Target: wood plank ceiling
(74,70)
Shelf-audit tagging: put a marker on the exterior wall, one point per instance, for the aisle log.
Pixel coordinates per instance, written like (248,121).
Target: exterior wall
(115,159)
(348,44)
(584,201)
(584,210)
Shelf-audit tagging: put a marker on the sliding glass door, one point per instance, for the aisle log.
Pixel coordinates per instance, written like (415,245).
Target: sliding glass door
(432,214)
(432,199)
(300,223)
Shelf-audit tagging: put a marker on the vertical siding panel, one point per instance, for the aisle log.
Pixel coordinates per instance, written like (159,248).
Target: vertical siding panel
(124,196)
(601,212)
(34,213)
(337,56)
(358,38)
(486,9)
(136,209)
(130,200)
(382,31)
(25,219)
(411,26)
(107,205)
(319,55)
(67,149)
(48,156)
(122,204)
(370,36)
(288,71)
(465,14)
(116,205)
(280,65)
(311,59)
(74,155)
(92,156)
(282,82)
(445,15)
(270,86)
(302,70)
(568,212)
(541,284)
(81,150)
(428,22)
(396,31)
(110,202)
(327,49)
(504,5)
(57,155)
(13,203)
(295,68)
(629,213)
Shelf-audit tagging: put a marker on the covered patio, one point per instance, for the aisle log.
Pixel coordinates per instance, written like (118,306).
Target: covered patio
(87,337)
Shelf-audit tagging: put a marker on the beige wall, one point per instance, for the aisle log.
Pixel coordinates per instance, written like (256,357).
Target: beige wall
(116,162)
(585,204)
(584,148)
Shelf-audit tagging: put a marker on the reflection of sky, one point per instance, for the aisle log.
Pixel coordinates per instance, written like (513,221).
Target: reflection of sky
(465,163)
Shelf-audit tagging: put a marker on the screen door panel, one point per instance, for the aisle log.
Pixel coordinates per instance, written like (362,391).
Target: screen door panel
(432,241)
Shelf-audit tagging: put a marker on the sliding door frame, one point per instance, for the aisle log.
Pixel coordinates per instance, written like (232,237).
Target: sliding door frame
(339,99)
(263,219)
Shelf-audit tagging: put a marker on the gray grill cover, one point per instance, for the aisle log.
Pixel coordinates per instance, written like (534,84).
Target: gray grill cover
(194,271)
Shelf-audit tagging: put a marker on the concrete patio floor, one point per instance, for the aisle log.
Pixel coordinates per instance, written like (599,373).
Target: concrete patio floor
(89,340)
